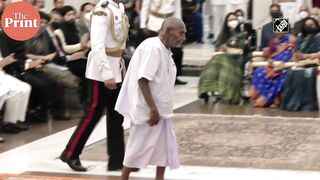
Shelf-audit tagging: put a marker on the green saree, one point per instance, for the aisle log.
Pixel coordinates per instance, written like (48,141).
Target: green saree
(223,74)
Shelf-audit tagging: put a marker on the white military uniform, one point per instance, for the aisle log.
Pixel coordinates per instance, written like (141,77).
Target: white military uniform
(100,66)
(237,4)
(149,145)
(153,12)
(221,8)
(109,29)
(16,98)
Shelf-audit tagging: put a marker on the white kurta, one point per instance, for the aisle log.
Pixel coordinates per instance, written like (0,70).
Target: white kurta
(149,145)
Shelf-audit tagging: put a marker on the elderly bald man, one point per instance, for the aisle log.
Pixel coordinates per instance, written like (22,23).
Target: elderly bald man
(146,101)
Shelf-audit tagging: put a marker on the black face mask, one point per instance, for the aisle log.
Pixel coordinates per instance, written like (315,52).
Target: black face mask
(309,30)
(55,25)
(70,22)
(276,14)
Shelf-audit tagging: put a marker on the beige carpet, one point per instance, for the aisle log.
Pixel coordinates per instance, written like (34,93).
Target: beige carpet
(241,141)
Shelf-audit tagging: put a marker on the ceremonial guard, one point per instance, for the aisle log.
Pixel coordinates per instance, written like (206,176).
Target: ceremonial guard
(153,13)
(105,71)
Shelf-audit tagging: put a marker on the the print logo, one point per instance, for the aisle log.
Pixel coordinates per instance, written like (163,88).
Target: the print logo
(20,21)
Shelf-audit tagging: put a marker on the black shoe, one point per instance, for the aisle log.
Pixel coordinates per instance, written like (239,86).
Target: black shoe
(115,168)
(179,82)
(210,36)
(205,97)
(10,128)
(22,126)
(73,163)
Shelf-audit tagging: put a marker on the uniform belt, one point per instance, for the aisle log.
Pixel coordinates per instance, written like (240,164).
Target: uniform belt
(159,15)
(117,53)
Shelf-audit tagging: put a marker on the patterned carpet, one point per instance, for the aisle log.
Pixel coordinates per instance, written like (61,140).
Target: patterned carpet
(241,141)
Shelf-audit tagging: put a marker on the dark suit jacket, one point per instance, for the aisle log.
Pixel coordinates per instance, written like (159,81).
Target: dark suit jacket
(8,46)
(266,35)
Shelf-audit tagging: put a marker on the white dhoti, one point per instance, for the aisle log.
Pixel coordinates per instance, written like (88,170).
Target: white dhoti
(152,145)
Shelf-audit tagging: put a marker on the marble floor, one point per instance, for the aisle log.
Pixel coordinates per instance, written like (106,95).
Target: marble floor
(35,151)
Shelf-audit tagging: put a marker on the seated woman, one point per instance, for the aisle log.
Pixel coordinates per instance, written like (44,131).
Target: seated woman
(300,86)
(222,75)
(267,82)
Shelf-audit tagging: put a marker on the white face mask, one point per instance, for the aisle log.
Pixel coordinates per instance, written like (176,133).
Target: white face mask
(233,24)
(87,17)
(303,14)
(241,19)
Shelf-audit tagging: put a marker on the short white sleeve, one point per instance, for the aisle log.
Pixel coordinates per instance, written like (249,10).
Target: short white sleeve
(150,64)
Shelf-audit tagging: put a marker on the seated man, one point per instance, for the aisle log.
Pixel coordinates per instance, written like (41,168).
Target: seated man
(41,46)
(267,30)
(3,96)
(16,99)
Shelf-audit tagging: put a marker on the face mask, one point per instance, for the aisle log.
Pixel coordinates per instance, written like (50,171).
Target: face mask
(276,14)
(55,25)
(309,30)
(241,19)
(87,17)
(233,24)
(303,14)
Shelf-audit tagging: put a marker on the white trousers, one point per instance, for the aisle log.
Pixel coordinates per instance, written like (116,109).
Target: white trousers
(4,91)
(219,14)
(17,99)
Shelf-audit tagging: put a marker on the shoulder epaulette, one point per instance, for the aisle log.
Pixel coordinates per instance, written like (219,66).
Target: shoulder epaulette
(99,13)
(105,4)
